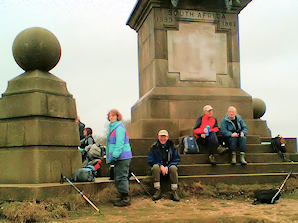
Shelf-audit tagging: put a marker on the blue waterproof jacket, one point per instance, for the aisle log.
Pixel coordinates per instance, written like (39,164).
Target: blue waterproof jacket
(227,127)
(165,155)
(117,146)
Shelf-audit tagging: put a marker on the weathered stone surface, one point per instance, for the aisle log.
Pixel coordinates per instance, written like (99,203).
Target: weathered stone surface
(37,164)
(37,103)
(36,81)
(36,48)
(39,136)
(259,108)
(148,128)
(39,131)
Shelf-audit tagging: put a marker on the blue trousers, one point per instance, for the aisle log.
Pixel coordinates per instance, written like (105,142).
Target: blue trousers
(234,142)
(121,173)
(211,142)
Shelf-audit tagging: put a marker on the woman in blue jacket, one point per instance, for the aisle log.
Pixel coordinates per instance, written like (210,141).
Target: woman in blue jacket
(118,152)
(234,130)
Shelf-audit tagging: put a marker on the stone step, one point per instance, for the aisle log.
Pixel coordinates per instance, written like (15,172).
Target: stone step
(250,157)
(237,179)
(140,166)
(206,169)
(141,146)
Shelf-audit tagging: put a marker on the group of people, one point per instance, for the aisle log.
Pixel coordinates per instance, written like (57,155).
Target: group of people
(164,157)
(232,127)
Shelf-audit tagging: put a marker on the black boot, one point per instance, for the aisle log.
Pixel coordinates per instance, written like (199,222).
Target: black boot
(124,200)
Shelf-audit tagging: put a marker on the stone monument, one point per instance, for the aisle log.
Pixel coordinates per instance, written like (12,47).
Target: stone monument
(188,57)
(39,136)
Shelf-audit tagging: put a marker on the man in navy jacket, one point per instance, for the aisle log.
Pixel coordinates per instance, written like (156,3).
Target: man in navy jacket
(163,159)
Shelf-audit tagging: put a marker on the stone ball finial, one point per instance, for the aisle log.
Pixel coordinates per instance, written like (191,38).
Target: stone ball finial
(259,108)
(36,48)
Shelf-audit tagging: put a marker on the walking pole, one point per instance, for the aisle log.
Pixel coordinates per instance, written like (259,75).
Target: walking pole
(80,192)
(280,188)
(139,182)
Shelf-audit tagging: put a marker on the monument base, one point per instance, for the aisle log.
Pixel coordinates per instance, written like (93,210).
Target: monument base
(177,108)
(37,164)
(37,192)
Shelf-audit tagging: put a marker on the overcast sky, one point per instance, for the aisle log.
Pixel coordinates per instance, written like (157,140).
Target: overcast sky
(99,54)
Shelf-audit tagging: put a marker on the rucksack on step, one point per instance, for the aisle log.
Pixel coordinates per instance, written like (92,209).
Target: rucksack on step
(279,144)
(85,174)
(190,145)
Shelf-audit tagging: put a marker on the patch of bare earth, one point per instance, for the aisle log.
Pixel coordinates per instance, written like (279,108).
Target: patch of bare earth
(194,210)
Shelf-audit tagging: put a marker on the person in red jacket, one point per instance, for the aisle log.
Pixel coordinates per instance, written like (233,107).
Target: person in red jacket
(205,132)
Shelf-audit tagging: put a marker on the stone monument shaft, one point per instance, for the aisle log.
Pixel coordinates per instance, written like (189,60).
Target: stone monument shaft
(188,57)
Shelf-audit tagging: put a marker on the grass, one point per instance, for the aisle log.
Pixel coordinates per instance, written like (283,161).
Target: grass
(74,206)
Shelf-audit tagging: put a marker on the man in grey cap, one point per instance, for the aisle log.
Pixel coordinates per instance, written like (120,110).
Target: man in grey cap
(205,131)
(163,159)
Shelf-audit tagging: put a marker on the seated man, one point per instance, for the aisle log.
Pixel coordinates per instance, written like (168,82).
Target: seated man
(163,159)
(234,130)
(205,135)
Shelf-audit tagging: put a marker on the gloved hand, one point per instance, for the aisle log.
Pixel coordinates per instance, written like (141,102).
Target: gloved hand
(80,149)
(97,165)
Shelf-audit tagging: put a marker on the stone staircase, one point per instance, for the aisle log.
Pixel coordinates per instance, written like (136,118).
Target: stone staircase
(264,166)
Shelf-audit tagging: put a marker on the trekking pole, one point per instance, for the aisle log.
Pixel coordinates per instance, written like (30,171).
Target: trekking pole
(280,188)
(80,192)
(139,182)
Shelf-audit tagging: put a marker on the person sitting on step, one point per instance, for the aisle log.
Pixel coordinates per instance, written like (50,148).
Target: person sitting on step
(205,132)
(163,159)
(235,131)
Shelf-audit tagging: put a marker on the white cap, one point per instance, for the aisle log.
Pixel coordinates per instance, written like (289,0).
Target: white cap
(163,132)
(207,108)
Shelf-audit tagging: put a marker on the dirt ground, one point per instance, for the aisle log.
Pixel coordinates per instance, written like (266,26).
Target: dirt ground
(193,210)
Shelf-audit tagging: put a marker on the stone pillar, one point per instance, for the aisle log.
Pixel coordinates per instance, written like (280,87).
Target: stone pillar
(188,57)
(39,136)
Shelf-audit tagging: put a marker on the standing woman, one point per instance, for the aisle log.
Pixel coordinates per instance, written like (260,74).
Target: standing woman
(118,152)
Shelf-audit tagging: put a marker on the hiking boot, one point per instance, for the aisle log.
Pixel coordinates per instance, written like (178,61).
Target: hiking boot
(233,161)
(222,150)
(124,201)
(118,198)
(242,159)
(157,194)
(175,196)
(212,159)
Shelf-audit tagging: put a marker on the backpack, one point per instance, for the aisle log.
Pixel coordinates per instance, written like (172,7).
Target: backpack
(85,174)
(279,144)
(190,145)
(266,196)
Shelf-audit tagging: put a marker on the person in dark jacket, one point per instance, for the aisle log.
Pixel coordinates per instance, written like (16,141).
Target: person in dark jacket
(163,160)
(234,130)
(205,132)
(88,140)
(81,127)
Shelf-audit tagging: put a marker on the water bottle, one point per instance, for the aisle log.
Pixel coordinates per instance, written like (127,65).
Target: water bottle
(207,133)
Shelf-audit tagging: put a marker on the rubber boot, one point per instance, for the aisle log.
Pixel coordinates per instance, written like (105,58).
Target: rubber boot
(233,161)
(242,159)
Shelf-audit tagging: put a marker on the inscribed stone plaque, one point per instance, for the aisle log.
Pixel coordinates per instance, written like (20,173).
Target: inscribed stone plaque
(197,52)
